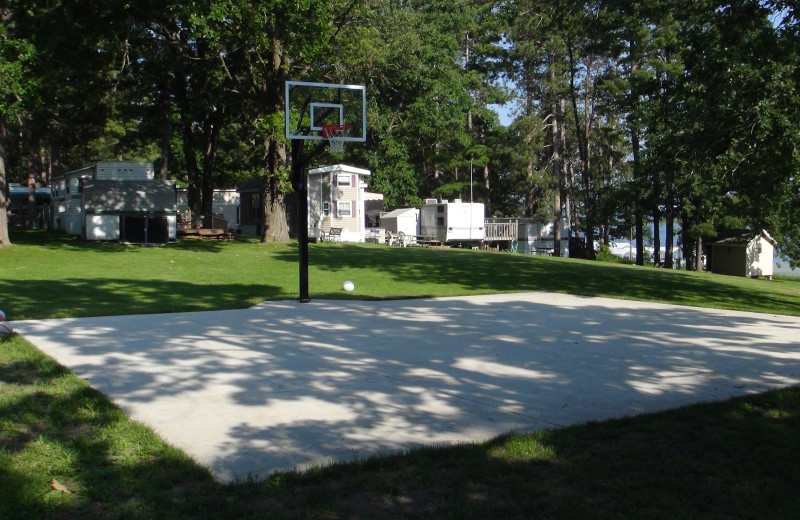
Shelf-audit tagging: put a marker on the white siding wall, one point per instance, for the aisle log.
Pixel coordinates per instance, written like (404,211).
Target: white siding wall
(102,227)
(226,203)
(760,253)
(124,171)
(326,189)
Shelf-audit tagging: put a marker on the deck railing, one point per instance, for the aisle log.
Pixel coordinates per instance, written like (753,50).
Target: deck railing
(498,231)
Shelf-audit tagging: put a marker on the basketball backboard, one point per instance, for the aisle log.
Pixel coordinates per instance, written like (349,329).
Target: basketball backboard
(312,106)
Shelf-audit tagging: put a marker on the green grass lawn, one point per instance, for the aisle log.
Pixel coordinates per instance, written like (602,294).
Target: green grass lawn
(48,275)
(67,452)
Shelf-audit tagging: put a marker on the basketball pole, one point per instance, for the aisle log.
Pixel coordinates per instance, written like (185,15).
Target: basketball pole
(299,178)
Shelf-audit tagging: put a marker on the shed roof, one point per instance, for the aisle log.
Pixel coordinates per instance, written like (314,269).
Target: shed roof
(400,213)
(744,238)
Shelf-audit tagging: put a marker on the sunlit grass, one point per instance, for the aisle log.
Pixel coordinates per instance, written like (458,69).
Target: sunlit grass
(736,459)
(53,275)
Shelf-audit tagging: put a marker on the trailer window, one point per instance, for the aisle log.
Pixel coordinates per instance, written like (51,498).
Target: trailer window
(344,208)
(343,180)
(326,209)
(440,221)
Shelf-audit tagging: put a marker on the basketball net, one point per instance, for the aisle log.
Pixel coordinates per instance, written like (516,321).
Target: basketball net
(336,136)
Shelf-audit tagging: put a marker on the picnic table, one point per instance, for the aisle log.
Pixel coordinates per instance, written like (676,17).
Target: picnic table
(404,240)
(427,240)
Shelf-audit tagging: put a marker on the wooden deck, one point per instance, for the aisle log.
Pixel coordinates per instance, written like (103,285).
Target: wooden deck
(208,234)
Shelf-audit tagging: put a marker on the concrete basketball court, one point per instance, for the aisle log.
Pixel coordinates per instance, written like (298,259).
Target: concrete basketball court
(285,385)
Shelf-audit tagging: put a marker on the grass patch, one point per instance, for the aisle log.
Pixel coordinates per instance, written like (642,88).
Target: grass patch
(735,459)
(77,278)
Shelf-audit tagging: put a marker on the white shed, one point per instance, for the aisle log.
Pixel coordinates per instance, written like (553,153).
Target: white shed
(749,254)
(404,220)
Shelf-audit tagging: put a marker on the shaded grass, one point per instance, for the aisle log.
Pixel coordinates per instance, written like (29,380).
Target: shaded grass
(54,275)
(736,459)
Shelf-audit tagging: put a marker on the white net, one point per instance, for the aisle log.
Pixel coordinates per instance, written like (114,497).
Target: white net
(336,135)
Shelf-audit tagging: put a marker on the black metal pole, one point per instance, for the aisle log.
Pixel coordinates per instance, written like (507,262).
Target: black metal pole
(299,180)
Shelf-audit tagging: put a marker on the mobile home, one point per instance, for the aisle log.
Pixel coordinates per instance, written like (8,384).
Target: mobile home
(336,199)
(116,200)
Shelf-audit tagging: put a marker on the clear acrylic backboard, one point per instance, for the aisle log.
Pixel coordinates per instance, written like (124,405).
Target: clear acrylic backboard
(310,107)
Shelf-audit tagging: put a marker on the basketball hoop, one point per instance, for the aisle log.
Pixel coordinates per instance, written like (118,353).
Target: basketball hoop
(336,136)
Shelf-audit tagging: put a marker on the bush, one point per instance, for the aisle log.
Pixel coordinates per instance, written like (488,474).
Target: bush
(605,255)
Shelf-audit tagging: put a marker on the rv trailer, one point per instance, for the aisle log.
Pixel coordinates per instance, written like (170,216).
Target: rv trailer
(454,222)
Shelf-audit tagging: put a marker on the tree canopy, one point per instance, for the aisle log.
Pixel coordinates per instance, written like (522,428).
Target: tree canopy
(625,113)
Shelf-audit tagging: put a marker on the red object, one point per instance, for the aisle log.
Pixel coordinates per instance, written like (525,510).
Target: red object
(329,131)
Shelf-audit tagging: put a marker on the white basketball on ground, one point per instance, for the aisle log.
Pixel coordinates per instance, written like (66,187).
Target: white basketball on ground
(5,331)
(348,285)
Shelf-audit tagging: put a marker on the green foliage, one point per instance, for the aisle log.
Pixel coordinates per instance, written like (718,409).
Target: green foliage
(605,255)
(624,111)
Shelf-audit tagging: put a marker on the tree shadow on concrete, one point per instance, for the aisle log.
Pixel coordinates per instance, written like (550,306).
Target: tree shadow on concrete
(286,385)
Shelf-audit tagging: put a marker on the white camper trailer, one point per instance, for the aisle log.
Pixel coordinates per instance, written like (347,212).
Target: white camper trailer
(452,222)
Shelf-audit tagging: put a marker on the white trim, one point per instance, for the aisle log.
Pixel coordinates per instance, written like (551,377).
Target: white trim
(314,106)
(339,168)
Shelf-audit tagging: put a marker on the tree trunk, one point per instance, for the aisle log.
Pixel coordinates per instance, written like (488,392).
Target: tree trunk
(638,212)
(210,133)
(583,148)
(637,203)
(556,167)
(572,213)
(4,238)
(699,255)
(193,190)
(566,180)
(656,237)
(275,225)
(163,168)
(670,238)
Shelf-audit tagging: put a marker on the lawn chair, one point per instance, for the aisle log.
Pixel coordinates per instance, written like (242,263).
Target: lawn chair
(405,240)
(334,235)
(315,235)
